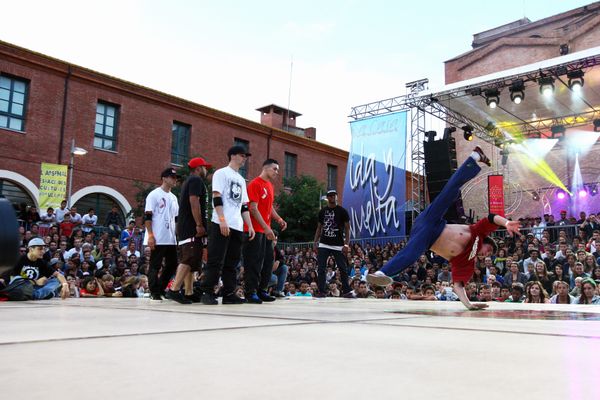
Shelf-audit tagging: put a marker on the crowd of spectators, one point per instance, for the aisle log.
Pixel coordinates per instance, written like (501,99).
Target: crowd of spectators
(552,262)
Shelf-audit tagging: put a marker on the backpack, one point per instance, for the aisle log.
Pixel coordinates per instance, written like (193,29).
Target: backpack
(18,290)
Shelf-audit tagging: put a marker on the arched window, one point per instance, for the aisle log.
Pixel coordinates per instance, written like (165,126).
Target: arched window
(100,202)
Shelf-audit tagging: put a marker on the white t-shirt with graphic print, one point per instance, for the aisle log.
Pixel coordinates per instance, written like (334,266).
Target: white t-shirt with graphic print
(232,187)
(165,208)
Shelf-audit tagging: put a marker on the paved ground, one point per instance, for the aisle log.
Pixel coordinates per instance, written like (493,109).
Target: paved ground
(297,349)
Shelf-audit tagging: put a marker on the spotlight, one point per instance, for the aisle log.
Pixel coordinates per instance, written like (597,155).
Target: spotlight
(582,193)
(430,135)
(558,132)
(560,195)
(467,132)
(492,98)
(593,190)
(535,196)
(517,91)
(546,85)
(563,49)
(596,125)
(448,131)
(575,80)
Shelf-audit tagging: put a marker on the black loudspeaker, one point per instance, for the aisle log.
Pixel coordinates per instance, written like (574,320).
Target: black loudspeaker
(440,164)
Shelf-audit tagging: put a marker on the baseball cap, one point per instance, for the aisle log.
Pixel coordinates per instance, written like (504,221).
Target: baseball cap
(331,191)
(198,162)
(36,242)
(237,149)
(169,172)
(53,261)
(563,211)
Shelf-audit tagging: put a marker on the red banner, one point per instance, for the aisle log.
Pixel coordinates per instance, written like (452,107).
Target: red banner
(496,194)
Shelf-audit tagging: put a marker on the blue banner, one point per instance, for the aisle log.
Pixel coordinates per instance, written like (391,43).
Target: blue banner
(375,184)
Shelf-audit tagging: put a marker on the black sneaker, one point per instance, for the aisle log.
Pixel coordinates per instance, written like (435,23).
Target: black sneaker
(209,299)
(155,297)
(320,295)
(253,299)
(195,297)
(264,296)
(177,296)
(232,299)
(278,294)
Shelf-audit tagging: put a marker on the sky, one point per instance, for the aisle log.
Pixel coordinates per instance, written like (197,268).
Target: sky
(319,57)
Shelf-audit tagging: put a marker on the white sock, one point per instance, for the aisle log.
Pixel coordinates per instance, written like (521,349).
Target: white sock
(379,273)
(475,156)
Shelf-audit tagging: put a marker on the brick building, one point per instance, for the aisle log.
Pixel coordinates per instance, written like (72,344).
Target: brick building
(131,133)
(518,44)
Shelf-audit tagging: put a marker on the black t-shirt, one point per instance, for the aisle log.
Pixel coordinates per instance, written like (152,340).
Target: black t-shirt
(28,269)
(333,221)
(186,224)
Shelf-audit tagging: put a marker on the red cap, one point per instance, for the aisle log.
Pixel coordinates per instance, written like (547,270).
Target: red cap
(563,211)
(198,162)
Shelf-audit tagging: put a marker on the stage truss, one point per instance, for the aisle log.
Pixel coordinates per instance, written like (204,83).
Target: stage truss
(418,101)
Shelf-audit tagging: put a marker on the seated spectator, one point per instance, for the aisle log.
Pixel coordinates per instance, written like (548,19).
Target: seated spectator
(143,288)
(91,287)
(114,221)
(75,217)
(89,221)
(514,275)
(426,293)
(588,292)
(130,286)
(535,293)
(47,282)
(303,290)
(333,290)
(485,293)
(577,272)
(446,293)
(364,292)
(291,289)
(49,218)
(576,291)
(126,234)
(445,275)
(66,227)
(504,294)
(516,296)
(562,295)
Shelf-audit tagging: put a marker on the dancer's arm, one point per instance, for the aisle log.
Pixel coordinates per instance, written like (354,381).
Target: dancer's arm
(459,289)
(511,226)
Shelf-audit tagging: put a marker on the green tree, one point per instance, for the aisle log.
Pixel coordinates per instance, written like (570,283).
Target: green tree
(299,204)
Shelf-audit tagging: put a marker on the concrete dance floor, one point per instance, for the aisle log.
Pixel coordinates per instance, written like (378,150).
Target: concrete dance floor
(297,349)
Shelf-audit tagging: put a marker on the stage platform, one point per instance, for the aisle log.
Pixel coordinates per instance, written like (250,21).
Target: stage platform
(297,349)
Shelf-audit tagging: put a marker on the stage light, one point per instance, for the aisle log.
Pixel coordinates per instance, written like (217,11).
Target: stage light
(517,91)
(563,49)
(558,132)
(467,132)
(575,80)
(582,193)
(596,125)
(448,131)
(560,195)
(430,135)
(535,196)
(492,98)
(593,190)
(546,85)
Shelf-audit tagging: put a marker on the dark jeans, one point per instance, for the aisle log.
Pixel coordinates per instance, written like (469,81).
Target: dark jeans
(340,260)
(258,262)
(429,225)
(168,252)
(223,258)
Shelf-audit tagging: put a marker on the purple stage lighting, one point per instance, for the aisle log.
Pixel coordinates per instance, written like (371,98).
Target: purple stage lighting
(560,195)
(582,193)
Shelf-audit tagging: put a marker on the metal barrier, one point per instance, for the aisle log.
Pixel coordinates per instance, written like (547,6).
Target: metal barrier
(382,241)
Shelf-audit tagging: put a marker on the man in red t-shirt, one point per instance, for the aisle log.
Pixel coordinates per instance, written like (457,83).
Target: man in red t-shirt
(459,244)
(258,253)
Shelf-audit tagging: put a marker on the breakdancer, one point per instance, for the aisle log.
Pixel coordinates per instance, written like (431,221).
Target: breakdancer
(459,244)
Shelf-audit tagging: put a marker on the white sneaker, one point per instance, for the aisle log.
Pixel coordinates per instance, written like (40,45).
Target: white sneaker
(379,279)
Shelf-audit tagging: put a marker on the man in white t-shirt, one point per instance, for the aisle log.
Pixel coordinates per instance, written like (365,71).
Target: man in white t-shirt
(61,211)
(89,221)
(75,217)
(225,234)
(159,216)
